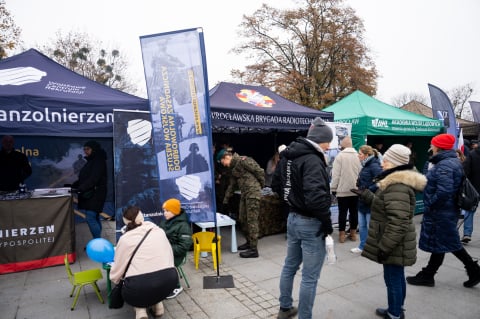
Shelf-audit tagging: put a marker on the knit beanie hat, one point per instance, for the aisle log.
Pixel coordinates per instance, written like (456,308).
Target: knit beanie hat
(92,144)
(444,141)
(397,154)
(319,132)
(172,205)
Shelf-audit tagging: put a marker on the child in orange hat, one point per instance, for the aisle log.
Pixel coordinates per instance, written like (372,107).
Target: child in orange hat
(179,233)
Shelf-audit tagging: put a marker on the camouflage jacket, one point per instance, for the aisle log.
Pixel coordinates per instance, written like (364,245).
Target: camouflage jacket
(247,176)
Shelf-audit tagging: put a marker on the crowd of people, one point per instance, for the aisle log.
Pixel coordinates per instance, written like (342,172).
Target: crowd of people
(375,191)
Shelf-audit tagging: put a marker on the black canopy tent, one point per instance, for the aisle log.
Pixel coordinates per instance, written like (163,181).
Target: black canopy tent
(51,111)
(256,108)
(268,118)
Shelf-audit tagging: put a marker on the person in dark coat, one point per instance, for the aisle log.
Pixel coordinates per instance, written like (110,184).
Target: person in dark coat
(391,237)
(371,167)
(472,171)
(14,166)
(179,234)
(439,233)
(91,186)
(307,189)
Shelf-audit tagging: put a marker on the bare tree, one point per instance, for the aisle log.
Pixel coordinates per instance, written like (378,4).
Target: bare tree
(402,99)
(82,54)
(313,55)
(459,96)
(9,32)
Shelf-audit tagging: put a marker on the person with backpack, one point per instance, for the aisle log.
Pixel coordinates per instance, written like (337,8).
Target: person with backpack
(439,233)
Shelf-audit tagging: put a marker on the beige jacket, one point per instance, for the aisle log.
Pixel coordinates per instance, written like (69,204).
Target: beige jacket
(345,170)
(155,253)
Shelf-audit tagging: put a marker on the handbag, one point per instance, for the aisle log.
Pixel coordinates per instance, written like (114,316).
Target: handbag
(115,297)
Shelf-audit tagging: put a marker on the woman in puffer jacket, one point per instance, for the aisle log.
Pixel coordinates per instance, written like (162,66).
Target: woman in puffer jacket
(371,167)
(439,233)
(391,237)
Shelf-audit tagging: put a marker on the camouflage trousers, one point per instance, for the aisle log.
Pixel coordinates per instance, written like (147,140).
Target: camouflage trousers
(248,216)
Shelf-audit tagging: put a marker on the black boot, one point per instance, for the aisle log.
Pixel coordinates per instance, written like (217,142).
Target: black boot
(244,246)
(383,312)
(423,278)
(251,253)
(473,271)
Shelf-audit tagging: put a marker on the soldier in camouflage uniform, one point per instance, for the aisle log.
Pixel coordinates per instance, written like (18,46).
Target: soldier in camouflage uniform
(249,178)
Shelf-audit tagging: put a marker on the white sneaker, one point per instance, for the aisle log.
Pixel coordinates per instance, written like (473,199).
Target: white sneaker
(175,293)
(356,250)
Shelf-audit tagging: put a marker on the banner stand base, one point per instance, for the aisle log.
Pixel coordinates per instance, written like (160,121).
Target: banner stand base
(216,282)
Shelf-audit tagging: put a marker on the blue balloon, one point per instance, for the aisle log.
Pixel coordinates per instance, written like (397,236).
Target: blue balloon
(100,250)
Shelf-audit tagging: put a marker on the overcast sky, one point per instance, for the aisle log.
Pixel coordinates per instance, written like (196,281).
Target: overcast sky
(413,42)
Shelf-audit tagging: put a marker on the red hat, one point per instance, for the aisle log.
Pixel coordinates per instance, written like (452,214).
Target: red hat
(443,141)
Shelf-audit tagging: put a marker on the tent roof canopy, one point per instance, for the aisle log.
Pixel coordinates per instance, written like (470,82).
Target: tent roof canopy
(370,116)
(33,74)
(38,96)
(256,108)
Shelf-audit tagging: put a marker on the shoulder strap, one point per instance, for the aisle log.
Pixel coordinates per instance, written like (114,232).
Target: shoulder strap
(133,254)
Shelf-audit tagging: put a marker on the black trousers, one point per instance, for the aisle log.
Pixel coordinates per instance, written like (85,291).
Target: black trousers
(436,260)
(347,205)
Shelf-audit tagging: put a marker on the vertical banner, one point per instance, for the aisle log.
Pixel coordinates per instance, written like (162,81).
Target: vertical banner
(177,87)
(475,106)
(442,109)
(135,165)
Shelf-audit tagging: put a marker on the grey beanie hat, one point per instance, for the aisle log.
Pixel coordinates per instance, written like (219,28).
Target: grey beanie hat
(319,131)
(397,154)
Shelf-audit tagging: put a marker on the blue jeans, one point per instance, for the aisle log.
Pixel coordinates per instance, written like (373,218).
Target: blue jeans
(468,222)
(303,246)
(394,276)
(363,221)
(93,222)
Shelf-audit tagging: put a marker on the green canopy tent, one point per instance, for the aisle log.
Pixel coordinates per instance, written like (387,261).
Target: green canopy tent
(371,117)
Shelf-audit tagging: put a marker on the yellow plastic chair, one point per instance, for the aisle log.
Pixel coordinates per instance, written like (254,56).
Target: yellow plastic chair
(205,242)
(82,278)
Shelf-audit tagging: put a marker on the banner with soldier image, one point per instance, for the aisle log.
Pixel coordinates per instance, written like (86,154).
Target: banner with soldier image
(177,87)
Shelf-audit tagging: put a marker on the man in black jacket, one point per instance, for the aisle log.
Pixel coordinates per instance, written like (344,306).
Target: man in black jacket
(306,186)
(14,166)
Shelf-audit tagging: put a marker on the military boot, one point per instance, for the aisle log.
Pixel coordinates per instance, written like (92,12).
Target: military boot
(245,246)
(250,253)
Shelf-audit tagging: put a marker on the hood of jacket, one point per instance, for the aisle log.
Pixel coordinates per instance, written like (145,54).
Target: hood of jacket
(405,176)
(301,147)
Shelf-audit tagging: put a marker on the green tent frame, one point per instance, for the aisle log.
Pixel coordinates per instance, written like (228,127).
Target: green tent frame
(370,116)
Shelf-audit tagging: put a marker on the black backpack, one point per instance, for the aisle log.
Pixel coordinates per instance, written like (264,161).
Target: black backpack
(467,196)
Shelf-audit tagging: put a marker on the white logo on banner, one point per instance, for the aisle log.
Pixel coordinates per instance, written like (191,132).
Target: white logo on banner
(189,186)
(20,76)
(379,123)
(139,131)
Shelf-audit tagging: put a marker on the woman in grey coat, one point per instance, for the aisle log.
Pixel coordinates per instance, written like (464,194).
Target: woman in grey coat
(391,237)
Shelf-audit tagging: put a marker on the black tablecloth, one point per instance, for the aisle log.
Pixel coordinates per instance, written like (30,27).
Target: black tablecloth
(35,232)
